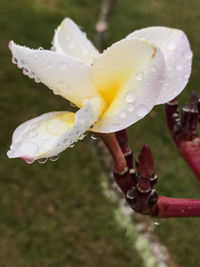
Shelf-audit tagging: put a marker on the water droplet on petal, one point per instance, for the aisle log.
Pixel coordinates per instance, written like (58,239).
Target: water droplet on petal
(139,76)
(188,54)
(179,67)
(130,97)
(122,114)
(171,46)
(141,111)
(153,68)
(54,158)
(42,160)
(130,107)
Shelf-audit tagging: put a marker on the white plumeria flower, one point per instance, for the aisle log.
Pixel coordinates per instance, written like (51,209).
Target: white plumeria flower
(113,90)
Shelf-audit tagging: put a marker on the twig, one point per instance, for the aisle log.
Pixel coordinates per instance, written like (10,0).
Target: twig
(102,25)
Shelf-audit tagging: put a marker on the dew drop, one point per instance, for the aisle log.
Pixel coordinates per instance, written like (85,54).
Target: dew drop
(10,44)
(156,223)
(122,114)
(29,160)
(141,111)
(72,105)
(41,48)
(14,60)
(171,46)
(25,72)
(54,158)
(179,67)
(37,80)
(93,137)
(139,76)
(72,145)
(42,160)
(130,107)
(130,97)
(153,68)
(188,54)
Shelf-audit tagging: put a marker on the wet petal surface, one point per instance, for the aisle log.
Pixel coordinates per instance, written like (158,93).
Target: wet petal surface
(126,78)
(178,58)
(69,39)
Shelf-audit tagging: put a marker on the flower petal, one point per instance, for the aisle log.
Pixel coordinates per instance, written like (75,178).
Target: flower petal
(129,76)
(69,39)
(50,133)
(178,58)
(63,74)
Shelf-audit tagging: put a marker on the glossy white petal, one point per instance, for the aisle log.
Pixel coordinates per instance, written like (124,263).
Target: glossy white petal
(69,39)
(129,76)
(50,133)
(63,74)
(178,58)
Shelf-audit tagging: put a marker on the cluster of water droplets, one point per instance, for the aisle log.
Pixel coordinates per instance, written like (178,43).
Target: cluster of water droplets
(44,160)
(21,64)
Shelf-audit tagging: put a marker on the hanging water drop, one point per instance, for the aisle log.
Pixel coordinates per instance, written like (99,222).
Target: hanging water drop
(37,80)
(93,137)
(42,160)
(54,158)
(72,145)
(72,105)
(14,60)
(25,72)
(156,223)
(29,160)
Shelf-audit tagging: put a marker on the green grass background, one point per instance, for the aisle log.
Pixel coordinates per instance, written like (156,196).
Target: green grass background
(55,214)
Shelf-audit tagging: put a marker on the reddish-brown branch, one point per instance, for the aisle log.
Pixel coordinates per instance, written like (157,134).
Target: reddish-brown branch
(190,151)
(122,138)
(183,129)
(176,207)
(111,143)
(121,171)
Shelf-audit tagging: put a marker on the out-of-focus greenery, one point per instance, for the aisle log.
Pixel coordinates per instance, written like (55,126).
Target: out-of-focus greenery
(55,214)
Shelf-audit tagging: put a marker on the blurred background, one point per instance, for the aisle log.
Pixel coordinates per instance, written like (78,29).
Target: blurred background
(56,214)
